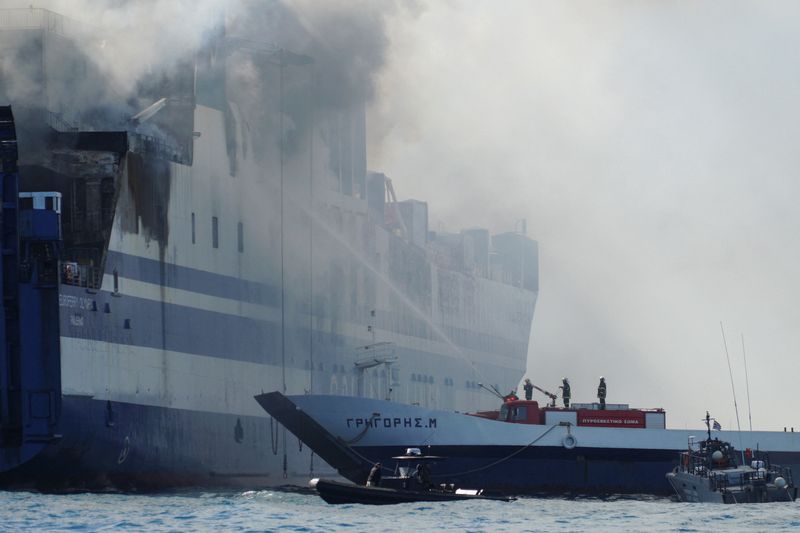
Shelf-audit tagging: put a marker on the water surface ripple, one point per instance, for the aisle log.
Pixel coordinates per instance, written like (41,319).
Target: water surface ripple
(271,510)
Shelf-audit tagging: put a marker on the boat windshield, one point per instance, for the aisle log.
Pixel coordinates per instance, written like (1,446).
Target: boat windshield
(503,412)
(518,413)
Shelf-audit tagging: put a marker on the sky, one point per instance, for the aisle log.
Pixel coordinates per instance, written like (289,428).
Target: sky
(652,149)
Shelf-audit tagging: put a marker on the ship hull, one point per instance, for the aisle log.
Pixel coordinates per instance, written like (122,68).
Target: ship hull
(132,447)
(501,456)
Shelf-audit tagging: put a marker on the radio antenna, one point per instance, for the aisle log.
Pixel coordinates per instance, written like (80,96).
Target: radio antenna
(493,390)
(733,390)
(747,383)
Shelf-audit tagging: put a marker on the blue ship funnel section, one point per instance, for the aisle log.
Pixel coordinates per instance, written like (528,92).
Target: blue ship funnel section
(29,334)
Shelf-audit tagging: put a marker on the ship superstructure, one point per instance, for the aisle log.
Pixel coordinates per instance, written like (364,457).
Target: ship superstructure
(170,253)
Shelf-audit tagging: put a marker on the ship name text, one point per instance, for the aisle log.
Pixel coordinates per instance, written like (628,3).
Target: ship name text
(390,422)
(67,300)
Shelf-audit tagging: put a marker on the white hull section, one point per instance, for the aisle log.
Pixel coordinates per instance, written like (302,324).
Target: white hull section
(381,423)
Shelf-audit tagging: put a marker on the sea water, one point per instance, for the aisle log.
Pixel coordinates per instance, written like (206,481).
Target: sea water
(273,510)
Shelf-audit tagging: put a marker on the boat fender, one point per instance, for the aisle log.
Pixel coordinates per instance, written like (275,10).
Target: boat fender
(569,442)
(780,482)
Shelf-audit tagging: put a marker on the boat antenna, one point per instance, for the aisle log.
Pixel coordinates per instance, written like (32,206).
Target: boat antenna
(493,390)
(733,390)
(747,383)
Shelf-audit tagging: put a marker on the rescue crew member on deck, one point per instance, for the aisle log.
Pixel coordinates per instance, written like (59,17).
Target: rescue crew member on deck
(528,389)
(601,392)
(511,396)
(566,394)
(374,478)
(423,475)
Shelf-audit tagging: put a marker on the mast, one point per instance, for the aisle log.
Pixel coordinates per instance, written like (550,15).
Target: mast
(733,390)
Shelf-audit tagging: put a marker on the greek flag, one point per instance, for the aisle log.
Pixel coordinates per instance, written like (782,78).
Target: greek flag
(717,425)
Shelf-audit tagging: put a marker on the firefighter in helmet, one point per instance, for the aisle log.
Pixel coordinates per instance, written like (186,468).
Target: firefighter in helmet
(601,392)
(528,388)
(566,394)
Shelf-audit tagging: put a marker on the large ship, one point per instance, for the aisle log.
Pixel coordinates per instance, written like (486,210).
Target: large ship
(175,247)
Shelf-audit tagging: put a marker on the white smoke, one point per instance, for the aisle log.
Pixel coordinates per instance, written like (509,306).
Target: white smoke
(130,39)
(651,148)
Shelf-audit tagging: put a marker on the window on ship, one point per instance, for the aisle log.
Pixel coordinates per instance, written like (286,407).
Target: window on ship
(215,232)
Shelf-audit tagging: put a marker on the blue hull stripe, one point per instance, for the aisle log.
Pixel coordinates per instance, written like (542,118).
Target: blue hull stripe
(203,282)
(198,331)
(173,327)
(192,279)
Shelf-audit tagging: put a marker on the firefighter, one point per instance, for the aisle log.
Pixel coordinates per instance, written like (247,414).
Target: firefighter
(528,387)
(601,392)
(565,394)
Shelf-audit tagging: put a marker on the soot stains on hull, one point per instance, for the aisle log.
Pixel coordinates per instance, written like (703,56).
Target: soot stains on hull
(149,182)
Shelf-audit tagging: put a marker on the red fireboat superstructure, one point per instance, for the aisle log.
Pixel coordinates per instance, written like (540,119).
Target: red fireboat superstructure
(578,414)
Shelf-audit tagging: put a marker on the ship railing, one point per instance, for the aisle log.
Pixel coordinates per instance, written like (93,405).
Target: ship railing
(740,479)
(177,153)
(59,123)
(376,350)
(718,481)
(697,464)
(73,273)
(721,481)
